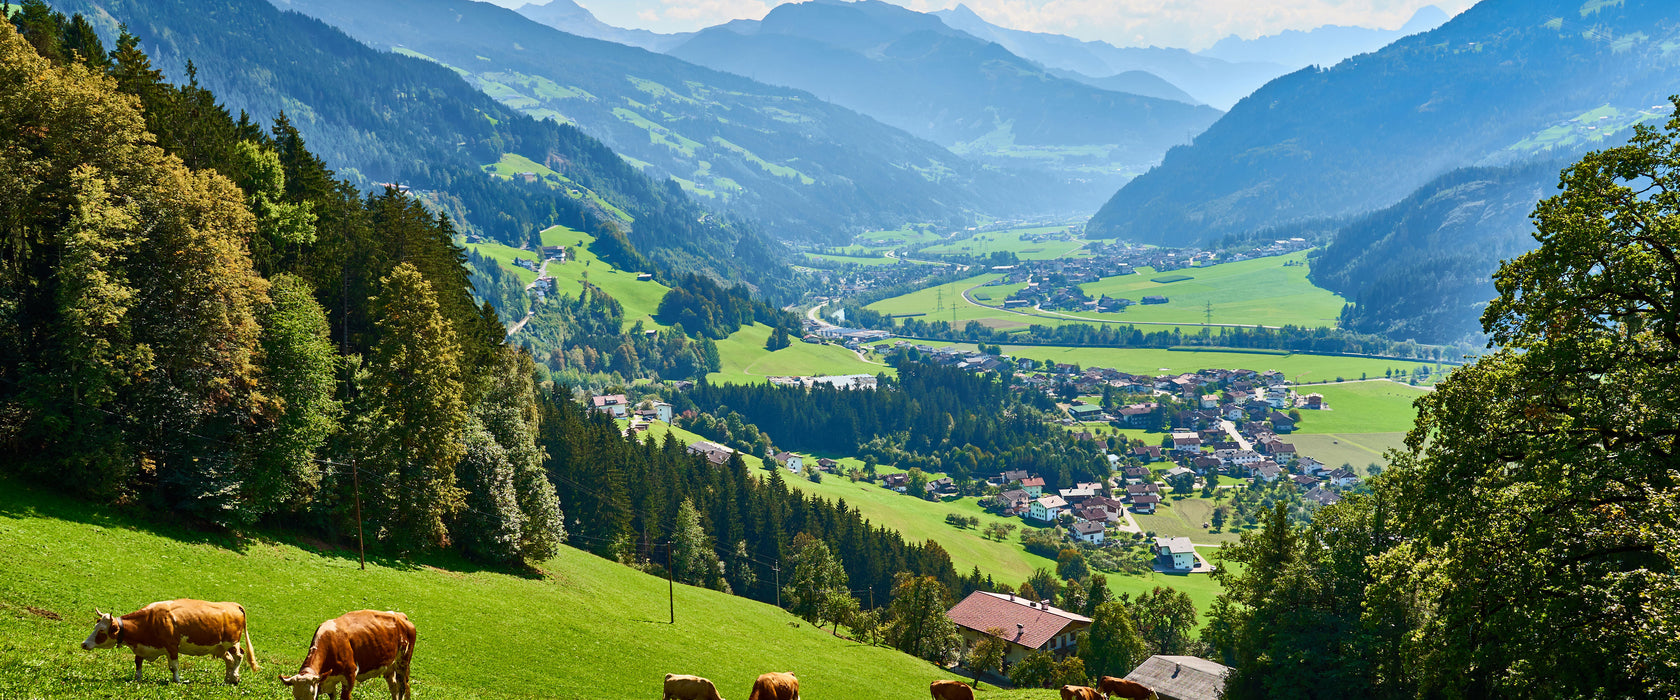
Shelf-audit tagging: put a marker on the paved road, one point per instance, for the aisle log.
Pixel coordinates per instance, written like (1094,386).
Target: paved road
(1231,430)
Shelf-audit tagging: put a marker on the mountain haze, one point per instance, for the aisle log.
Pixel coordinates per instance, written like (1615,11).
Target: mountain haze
(1502,83)
(1208,80)
(807,169)
(912,71)
(1322,46)
(572,18)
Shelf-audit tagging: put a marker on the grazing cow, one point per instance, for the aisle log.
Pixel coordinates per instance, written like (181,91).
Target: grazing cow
(775,686)
(1080,692)
(356,646)
(175,627)
(680,687)
(951,690)
(1122,688)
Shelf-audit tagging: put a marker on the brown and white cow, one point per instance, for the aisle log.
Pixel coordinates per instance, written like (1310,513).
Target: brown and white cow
(1080,692)
(775,686)
(356,646)
(1122,688)
(175,627)
(684,687)
(950,690)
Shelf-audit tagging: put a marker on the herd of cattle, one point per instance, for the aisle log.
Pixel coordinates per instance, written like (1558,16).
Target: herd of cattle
(365,644)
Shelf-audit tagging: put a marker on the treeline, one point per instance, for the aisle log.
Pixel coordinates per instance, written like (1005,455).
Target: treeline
(937,419)
(1292,338)
(700,305)
(586,334)
(625,499)
(496,286)
(217,329)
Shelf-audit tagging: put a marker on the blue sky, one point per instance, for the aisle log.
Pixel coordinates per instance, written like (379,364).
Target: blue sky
(1192,24)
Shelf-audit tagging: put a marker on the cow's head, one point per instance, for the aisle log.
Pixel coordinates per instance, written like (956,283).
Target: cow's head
(305,685)
(104,634)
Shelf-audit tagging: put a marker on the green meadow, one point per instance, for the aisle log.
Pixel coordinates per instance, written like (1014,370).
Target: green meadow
(853,259)
(580,627)
(1260,292)
(505,255)
(745,360)
(1011,241)
(640,299)
(1357,450)
(1361,407)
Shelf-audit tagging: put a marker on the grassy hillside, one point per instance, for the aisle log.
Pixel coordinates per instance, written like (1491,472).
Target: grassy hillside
(746,360)
(1362,407)
(585,628)
(640,299)
(1265,291)
(1010,241)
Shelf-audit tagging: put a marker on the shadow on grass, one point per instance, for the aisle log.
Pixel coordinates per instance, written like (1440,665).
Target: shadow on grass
(21,500)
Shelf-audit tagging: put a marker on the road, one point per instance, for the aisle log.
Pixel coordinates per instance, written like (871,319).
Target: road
(1231,430)
(542,270)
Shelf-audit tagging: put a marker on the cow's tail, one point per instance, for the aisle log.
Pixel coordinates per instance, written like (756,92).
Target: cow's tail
(250,651)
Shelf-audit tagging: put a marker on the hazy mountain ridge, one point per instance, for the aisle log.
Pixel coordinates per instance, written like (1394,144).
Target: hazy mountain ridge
(1494,85)
(912,71)
(572,18)
(807,169)
(1323,46)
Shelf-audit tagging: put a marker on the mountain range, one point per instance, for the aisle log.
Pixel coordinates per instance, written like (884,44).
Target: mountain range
(572,18)
(1504,82)
(912,71)
(1321,46)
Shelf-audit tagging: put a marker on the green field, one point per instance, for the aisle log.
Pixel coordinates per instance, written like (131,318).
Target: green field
(640,299)
(887,240)
(1361,407)
(853,260)
(997,241)
(1184,518)
(1358,450)
(584,628)
(1297,368)
(505,255)
(1263,291)
(746,360)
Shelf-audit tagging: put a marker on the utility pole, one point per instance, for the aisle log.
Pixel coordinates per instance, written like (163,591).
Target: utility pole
(670,583)
(1207,314)
(871,597)
(778,569)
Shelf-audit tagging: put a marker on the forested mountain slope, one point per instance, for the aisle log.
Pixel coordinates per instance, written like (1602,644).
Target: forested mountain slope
(572,18)
(1423,268)
(1503,82)
(912,71)
(807,169)
(382,117)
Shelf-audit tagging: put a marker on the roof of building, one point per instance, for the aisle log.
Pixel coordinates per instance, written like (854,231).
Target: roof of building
(1086,527)
(1039,623)
(1176,545)
(1181,677)
(1050,502)
(1033,481)
(783,456)
(607,400)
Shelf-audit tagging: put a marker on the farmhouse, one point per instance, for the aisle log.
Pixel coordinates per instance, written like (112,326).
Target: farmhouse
(1047,508)
(1027,625)
(713,452)
(1176,552)
(790,460)
(1088,531)
(1034,486)
(614,404)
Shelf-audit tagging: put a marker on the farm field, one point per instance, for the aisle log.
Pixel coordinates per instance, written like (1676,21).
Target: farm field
(1359,450)
(1184,518)
(1298,368)
(998,241)
(745,360)
(1263,291)
(853,259)
(640,299)
(504,255)
(590,628)
(1362,407)
(887,240)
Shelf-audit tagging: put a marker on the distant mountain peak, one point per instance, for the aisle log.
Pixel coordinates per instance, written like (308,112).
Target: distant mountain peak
(1325,45)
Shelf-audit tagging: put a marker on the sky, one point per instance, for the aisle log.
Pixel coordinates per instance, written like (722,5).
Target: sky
(1189,24)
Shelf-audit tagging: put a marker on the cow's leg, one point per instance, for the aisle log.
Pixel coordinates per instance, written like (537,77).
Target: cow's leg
(139,661)
(174,664)
(349,683)
(233,656)
(391,676)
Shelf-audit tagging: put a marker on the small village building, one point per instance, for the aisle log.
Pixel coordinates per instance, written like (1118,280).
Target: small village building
(1322,496)
(1087,412)
(790,460)
(1088,531)
(614,404)
(1047,508)
(713,452)
(1028,625)
(1145,504)
(1176,552)
(1181,677)
(1034,486)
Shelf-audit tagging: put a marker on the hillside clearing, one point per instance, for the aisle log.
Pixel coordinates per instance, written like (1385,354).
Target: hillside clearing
(745,359)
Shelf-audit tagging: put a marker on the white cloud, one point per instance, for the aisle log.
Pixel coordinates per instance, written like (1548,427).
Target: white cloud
(704,13)
(648,15)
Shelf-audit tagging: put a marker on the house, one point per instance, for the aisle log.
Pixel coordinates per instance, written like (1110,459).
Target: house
(1087,412)
(1281,423)
(1154,299)
(1014,501)
(1190,442)
(790,460)
(1177,472)
(1210,401)
(1034,486)
(614,404)
(1046,509)
(713,452)
(1088,531)
(1134,475)
(662,410)
(1181,677)
(1315,402)
(1012,476)
(826,464)
(1203,463)
(1135,490)
(1095,514)
(1343,477)
(1267,472)
(1176,553)
(1304,480)
(1147,453)
(1077,495)
(1145,503)
(1136,415)
(1321,496)
(942,486)
(896,482)
(1028,625)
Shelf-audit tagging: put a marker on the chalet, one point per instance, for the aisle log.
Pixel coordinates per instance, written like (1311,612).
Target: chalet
(1015,501)
(1267,472)
(1012,476)
(1314,402)
(1189,443)
(1177,472)
(1087,531)
(1281,423)
(1135,490)
(1271,377)
(1136,416)
(1321,496)
(1134,475)
(1278,449)
(713,452)
(1343,477)
(1147,453)
(614,404)
(1176,553)
(1076,496)
(1304,480)
(1181,677)
(1203,463)
(1028,625)
(1047,509)
(943,486)
(1034,486)
(1308,465)
(826,464)
(790,460)
(1095,514)
(1145,503)
(1210,401)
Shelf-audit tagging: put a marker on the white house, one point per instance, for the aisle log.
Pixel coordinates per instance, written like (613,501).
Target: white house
(1176,552)
(664,410)
(790,460)
(614,404)
(1047,509)
(1088,531)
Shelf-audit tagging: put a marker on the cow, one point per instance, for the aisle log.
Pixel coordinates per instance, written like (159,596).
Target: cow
(1122,688)
(356,646)
(681,687)
(1080,692)
(175,627)
(950,690)
(775,686)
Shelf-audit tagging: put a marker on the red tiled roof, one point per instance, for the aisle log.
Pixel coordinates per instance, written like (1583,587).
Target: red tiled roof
(981,611)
